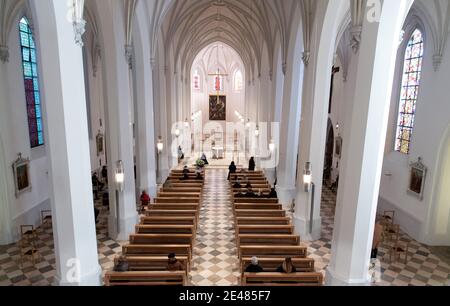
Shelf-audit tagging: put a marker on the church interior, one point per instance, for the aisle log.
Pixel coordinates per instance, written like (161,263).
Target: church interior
(224,143)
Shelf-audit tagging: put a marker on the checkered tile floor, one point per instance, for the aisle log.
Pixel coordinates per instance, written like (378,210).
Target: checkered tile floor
(422,268)
(215,260)
(14,273)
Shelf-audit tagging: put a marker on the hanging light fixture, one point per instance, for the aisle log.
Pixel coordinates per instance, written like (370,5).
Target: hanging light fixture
(186,123)
(307,177)
(177,132)
(120,175)
(272,146)
(248,123)
(257,131)
(160,145)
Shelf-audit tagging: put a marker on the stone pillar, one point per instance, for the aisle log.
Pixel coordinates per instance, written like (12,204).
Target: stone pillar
(67,144)
(119,107)
(365,135)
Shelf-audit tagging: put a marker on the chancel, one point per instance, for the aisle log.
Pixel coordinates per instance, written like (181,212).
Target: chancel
(336,127)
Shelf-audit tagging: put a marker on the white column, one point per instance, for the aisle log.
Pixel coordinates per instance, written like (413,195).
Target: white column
(123,214)
(67,143)
(365,135)
(145,116)
(289,127)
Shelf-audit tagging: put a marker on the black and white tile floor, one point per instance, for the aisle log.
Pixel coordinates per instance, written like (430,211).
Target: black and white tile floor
(215,260)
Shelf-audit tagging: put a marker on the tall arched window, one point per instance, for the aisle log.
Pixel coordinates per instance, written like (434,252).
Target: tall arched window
(196,81)
(31,80)
(410,90)
(238,81)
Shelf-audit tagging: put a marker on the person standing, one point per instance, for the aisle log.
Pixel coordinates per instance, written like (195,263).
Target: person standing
(232,169)
(251,164)
(145,200)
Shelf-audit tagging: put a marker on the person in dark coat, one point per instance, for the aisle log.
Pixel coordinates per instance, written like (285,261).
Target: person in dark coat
(254,267)
(251,164)
(287,267)
(232,169)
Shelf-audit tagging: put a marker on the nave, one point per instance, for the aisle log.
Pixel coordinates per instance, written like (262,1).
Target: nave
(214,258)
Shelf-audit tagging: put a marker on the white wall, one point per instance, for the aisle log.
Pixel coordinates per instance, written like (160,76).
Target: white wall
(432,119)
(14,128)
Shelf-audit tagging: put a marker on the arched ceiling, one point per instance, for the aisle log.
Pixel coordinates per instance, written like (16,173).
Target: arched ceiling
(250,27)
(218,56)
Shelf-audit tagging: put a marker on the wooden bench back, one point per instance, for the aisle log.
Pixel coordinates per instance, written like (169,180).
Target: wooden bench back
(171,213)
(177,200)
(272,264)
(282,279)
(151,239)
(260,239)
(183,185)
(273,251)
(265,229)
(168,220)
(258,206)
(182,189)
(179,195)
(263,221)
(256,200)
(175,206)
(259,213)
(157,263)
(146,278)
(165,229)
(157,250)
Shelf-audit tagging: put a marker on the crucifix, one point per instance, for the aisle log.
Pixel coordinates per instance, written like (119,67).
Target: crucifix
(217,82)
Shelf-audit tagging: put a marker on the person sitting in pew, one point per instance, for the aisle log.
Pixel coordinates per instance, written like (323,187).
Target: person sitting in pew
(272,194)
(185,174)
(250,193)
(198,174)
(237,185)
(121,266)
(249,185)
(173,264)
(254,267)
(287,267)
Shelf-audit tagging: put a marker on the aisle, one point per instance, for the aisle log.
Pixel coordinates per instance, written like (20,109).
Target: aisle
(215,261)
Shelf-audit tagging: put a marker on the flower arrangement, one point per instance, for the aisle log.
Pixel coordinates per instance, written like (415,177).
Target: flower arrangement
(200,163)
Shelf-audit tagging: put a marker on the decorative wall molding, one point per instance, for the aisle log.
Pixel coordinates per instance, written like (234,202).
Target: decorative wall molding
(357,8)
(129,56)
(308,10)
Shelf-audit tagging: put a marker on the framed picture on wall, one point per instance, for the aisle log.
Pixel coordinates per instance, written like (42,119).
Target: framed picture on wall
(21,170)
(100,142)
(418,173)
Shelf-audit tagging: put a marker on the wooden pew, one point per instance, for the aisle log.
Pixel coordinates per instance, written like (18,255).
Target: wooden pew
(176,200)
(168,221)
(179,195)
(185,239)
(183,185)
(182,189)
(157,250)
(145,278)
(272,264)
(172,213)
(263,221)
(265,229)
(256,200)
(174,206)
(272,251)
(165,229)
(145,263)
(258,206)
(259,213)
(262,188)
(266,239)
(282,279)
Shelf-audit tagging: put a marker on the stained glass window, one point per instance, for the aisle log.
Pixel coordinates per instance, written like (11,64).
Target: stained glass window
(409,92)
(31,80)
(196,81)
(238,81)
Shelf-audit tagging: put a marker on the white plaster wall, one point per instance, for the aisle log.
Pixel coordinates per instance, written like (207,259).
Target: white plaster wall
(432,119)
(14,128)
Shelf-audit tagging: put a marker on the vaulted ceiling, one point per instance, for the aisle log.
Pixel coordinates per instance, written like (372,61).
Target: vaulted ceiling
(249,27)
